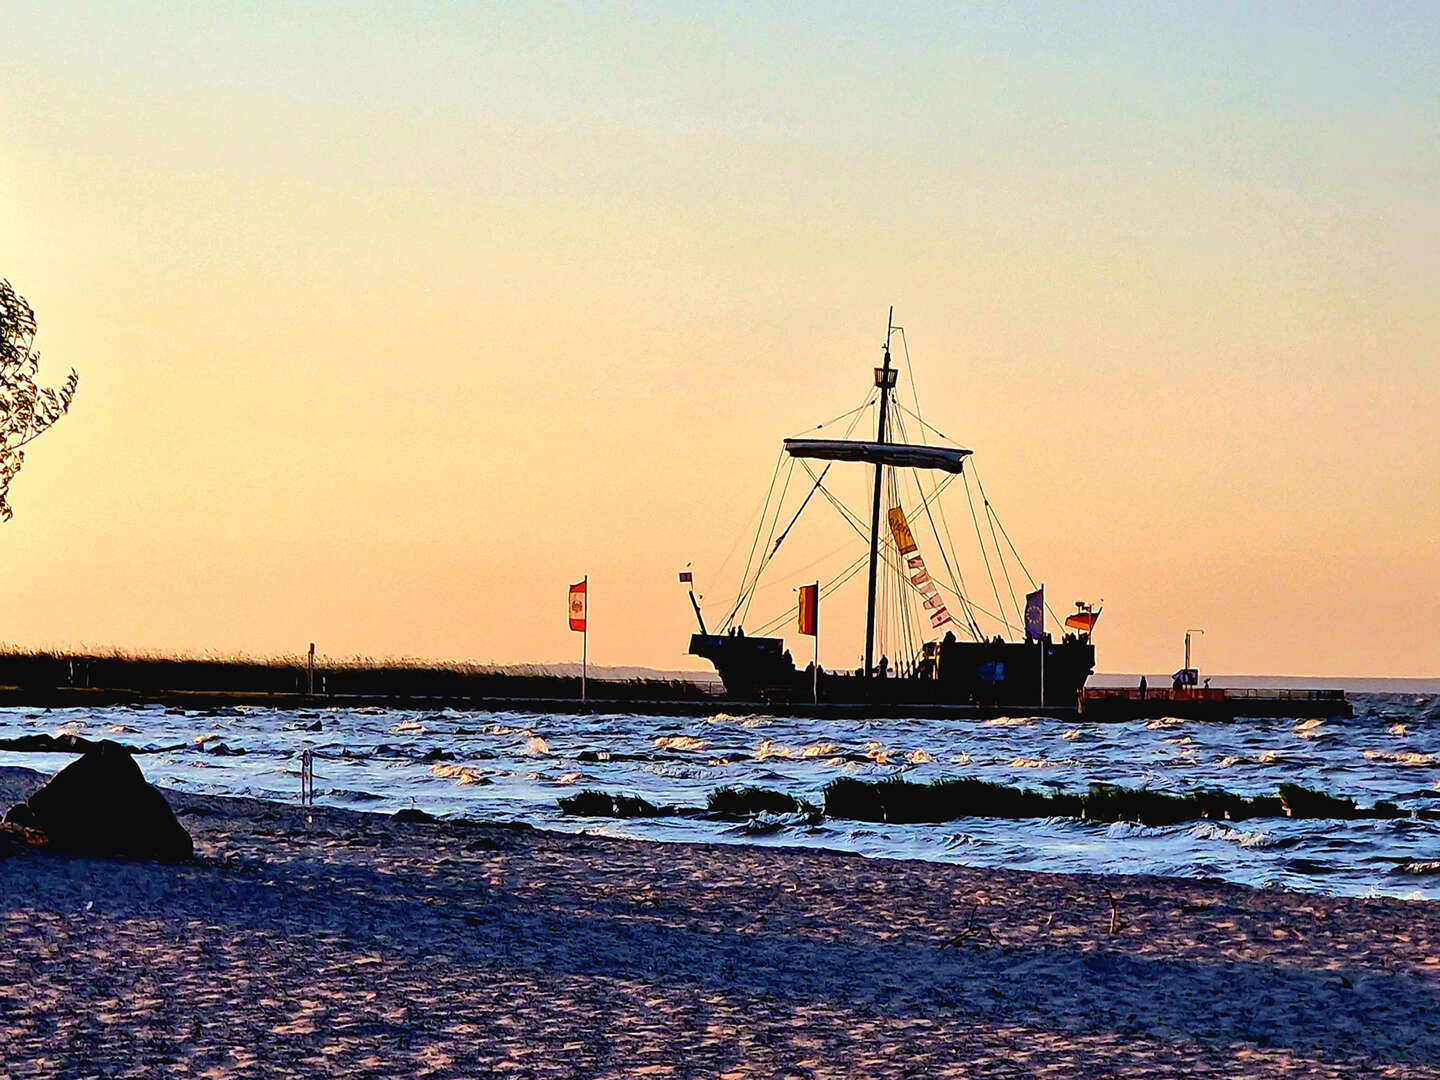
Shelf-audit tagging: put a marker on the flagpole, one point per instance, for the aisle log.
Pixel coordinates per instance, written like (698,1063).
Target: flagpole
(1042,644)
(815,671)
(585,640)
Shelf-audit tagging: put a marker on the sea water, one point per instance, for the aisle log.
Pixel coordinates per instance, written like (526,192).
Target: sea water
(514,766)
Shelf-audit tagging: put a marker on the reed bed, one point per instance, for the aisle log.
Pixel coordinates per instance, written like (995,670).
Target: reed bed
(153,672)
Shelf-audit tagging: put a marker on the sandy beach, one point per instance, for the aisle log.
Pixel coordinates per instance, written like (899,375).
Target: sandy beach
(339,943)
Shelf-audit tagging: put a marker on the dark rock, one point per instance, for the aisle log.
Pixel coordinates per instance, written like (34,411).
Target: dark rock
(20,816)
(101,805)
(414,816)
(48,744)
(314,727)
(438,755)
(15,840)
(221,750)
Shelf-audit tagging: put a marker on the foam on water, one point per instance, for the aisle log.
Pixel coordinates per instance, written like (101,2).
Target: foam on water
(514,766)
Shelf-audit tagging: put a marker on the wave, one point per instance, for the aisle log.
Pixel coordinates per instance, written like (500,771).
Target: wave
(1408,757)
(459,773)
(351,795)
(1425,867)
(679,742)
(1251,839)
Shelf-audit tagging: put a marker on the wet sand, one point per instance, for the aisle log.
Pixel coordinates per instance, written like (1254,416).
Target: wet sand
(340,943)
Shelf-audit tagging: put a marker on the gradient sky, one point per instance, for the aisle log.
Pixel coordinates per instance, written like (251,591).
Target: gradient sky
(392,320)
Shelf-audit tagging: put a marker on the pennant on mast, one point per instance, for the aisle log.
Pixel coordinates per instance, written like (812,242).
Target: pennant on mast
(900,529)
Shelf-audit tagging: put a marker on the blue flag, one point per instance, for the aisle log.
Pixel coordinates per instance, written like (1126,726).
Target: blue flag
(1035,614)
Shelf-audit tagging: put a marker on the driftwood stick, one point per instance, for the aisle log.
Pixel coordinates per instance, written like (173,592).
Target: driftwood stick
(1114,910)
(971,929)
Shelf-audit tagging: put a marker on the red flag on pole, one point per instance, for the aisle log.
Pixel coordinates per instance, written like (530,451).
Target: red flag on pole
(809,608)
(577,607)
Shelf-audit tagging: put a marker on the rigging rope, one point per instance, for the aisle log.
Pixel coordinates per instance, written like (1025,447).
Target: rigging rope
(740,594)
(990,518)
(1011,543)
(985,554)
(854,522)
(957,578)
(748,585)
(765,559)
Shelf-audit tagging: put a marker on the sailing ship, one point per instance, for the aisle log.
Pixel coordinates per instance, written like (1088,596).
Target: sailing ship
(939,641)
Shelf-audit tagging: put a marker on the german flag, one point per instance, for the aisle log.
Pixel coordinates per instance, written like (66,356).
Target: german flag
(1083,620)
(809,608)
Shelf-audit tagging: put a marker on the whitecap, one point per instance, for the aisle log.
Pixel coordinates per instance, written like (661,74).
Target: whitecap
(678,742)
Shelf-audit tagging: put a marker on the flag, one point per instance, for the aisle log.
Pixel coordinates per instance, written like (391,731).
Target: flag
(916,562)
(686,577)
(1084,621)
(939,618)
(809,609)
(577,607)
(933,601)
(922,578)
(1035,614)
(900,529)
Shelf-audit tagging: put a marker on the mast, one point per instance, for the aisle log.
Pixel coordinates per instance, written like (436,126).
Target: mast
(885,380)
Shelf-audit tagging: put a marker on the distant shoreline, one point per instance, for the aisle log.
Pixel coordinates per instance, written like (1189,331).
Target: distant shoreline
(59,680)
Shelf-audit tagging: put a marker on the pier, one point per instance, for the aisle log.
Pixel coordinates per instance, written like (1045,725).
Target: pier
(1110,705)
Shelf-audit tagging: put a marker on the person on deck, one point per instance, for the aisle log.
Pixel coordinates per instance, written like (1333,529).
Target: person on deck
(1144,686)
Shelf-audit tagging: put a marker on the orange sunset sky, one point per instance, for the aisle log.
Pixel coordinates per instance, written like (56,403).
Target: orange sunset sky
(392,321)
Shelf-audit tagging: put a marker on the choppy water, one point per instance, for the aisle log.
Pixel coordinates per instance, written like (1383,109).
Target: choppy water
(514,766)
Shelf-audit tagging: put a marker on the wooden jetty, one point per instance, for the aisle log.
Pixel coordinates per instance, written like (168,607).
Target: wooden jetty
(1096,704)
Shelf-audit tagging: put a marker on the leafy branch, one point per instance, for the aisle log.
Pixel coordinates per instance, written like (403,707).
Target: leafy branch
(26,409)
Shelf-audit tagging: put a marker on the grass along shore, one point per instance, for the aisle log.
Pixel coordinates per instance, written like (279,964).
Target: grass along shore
(37,672)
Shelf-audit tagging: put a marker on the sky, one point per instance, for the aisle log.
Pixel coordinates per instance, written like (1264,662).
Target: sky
(393,320)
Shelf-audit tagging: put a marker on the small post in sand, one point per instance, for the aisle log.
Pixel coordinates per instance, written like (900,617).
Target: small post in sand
(307,778)
(310,672)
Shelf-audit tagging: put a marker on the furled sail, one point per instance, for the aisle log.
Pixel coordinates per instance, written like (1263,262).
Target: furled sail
(900,455)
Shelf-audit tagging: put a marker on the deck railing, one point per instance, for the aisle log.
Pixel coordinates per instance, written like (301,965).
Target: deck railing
(1207,693)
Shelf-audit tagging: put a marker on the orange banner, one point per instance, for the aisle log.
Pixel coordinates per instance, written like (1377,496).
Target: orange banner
(900,529)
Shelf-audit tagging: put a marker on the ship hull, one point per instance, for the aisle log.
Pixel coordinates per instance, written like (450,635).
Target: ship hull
(984,673)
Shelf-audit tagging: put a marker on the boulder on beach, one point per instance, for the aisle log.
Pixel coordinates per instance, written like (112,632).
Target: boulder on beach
(101,804)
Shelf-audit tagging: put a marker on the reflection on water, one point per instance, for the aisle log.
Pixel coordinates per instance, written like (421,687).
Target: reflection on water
(514,766)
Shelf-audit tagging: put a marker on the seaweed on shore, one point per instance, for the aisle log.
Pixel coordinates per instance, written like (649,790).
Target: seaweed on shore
(603,804)
(746,801)
(900,801)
